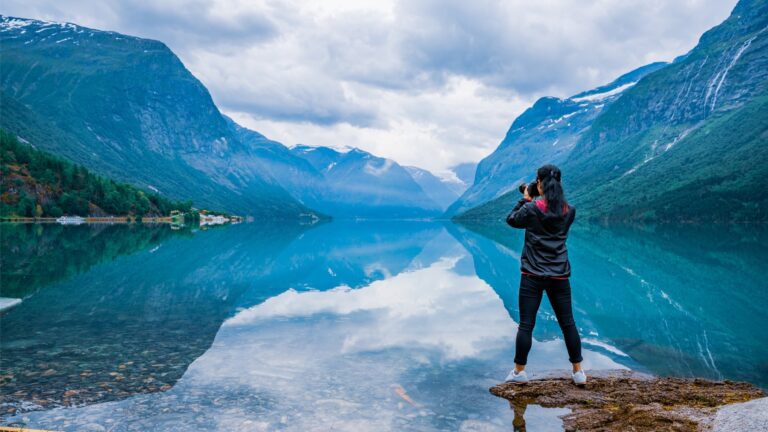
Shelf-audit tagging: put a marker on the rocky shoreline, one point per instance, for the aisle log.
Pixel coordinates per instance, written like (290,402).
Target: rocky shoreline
(620,400)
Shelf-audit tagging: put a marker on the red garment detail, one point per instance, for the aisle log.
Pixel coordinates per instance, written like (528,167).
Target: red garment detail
(542,205)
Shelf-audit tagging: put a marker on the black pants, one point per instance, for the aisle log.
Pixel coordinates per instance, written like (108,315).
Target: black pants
(559,295)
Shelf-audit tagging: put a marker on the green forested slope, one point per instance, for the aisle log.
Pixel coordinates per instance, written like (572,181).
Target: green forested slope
(34,183)
(688,142)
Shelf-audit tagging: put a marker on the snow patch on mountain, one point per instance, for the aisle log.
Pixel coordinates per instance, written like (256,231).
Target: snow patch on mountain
(552,123)
(378,171)
(604,95)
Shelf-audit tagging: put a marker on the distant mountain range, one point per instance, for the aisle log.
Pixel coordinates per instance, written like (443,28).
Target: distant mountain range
(128,109)
(442,192)
(687,142)
(352,182)
(465,173)
(360,184)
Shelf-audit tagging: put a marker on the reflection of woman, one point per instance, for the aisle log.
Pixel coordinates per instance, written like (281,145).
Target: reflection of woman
(545,268)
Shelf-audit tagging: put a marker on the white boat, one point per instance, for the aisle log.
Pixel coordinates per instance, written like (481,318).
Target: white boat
(70,220)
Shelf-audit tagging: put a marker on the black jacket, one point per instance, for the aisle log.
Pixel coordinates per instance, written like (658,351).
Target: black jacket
(544,251)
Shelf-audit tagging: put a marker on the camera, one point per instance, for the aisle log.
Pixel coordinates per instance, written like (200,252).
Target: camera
(532,188)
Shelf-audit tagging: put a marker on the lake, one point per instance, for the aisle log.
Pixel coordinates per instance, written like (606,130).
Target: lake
(351,325)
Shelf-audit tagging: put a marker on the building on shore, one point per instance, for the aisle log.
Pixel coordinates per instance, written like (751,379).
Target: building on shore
(70,220)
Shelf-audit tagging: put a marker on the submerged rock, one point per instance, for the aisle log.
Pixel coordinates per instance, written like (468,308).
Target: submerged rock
(625,400)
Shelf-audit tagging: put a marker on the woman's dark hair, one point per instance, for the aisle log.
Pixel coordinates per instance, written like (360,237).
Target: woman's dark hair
(549,175)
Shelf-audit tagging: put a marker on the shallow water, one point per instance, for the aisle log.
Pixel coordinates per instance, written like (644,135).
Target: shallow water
(350,326)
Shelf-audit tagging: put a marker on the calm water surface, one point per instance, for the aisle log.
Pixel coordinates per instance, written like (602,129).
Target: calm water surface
(350,326)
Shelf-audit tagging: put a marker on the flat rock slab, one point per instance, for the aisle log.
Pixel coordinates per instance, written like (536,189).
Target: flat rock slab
(627,401)
(747,416)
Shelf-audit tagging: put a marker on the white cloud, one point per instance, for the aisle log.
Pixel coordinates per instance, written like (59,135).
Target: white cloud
(434,129)
(428,83)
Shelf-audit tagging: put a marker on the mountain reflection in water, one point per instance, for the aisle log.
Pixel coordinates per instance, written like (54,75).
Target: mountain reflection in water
(366,325)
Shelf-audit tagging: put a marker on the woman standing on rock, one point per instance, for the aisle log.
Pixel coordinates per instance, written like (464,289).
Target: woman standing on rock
(545,268)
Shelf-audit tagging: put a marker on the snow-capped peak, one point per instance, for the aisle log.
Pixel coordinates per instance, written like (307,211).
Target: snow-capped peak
(10,23)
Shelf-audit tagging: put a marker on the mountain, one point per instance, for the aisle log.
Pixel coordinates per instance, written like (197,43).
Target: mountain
(291,171)
(441,191)
(687,142)
(465,172)
(545,133)
(128,109)
(360,185)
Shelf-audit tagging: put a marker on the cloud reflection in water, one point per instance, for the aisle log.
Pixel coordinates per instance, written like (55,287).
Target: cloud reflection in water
(417,350)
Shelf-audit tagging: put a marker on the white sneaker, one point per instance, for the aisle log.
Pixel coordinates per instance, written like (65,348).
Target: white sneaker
(517,377)
(579,378)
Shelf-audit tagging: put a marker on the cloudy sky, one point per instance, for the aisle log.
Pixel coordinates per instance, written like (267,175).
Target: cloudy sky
(425,82)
